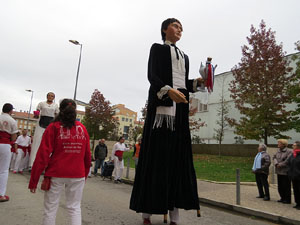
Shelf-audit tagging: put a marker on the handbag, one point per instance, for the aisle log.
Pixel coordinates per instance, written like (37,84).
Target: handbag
(45,186)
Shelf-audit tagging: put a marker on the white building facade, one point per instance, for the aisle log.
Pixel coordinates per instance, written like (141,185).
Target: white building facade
(208,112)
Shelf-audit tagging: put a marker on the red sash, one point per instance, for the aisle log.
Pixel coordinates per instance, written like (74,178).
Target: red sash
(12,149)
(5,137)
(119,153)
(24,149)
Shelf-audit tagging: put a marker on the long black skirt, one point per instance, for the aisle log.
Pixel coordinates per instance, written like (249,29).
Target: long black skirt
(165,176)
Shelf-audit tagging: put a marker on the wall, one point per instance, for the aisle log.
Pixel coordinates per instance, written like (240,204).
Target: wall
(226,149)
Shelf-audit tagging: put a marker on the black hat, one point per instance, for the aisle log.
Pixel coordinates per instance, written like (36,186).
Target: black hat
(7,107)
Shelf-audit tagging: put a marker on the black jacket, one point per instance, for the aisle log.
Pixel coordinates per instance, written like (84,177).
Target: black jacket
(294,167)
(100,151)
(160,74)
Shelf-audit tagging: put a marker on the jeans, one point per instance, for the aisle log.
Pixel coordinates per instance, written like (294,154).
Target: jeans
(98,163)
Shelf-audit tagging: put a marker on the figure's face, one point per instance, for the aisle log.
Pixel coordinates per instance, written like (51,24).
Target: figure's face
(102,141)
(173,32)
(280,145)
(50,97)
(122,140)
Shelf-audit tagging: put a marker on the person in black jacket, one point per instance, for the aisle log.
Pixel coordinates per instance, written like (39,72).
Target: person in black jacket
(165,177)
(261,166)
(294,172)
(100,154)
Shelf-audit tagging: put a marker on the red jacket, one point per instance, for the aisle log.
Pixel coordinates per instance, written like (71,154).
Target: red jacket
(62,153)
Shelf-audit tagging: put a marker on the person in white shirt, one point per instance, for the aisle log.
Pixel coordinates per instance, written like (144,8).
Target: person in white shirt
(117,157)
(47,111)
(22,145)
(8,133)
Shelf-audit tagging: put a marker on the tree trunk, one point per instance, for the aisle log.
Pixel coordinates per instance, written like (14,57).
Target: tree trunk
(266,137)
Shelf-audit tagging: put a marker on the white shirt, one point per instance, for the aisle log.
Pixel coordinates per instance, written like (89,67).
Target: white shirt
(8,124)
(118,147)
(23,141)
(48,109)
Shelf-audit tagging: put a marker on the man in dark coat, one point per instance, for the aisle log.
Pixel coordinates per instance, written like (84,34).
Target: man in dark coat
(294,172)
(100,154)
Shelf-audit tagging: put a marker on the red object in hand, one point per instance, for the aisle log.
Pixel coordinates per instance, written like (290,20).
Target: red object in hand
(36,113)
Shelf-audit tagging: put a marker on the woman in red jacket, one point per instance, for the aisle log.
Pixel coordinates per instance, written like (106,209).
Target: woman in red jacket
(65,156)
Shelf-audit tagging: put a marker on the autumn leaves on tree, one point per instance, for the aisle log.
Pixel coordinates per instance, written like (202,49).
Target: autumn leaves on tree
(261,87)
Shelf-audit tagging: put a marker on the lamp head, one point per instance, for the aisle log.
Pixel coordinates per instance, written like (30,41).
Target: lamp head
(74,42)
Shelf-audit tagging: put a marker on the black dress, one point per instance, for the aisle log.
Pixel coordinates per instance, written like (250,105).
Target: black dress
(165,176)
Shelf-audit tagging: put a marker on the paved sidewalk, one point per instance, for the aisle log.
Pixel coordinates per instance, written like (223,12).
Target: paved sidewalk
(224,195)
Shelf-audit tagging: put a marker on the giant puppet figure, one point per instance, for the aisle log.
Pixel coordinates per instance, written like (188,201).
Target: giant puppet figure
(165,177)
(46,111)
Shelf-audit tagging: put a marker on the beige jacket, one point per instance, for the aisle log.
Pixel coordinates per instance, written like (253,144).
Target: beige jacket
(281,159)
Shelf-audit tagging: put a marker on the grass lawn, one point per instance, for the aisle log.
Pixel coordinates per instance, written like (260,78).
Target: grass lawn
(215,168)
(212,167)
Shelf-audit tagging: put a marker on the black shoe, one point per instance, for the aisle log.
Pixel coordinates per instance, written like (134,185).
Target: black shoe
(266,198)
(280,200)
(120,180)
(260,196)
(286,202)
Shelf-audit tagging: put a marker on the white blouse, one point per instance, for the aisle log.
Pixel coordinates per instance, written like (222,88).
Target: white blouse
(48,109)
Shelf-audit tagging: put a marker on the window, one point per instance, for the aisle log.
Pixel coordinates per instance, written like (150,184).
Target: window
(123,119)
(202,107)
(130,120)
(126,129)
(126,119)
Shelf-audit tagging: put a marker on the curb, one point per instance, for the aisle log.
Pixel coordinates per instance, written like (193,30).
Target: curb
(250,212)
(243,210)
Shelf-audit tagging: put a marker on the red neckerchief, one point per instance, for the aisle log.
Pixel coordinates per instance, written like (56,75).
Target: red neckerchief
(295,152)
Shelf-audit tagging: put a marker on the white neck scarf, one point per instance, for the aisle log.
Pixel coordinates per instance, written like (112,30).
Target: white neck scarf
(168,113)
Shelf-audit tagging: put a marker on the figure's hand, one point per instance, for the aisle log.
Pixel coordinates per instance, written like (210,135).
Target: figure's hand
(33,190)
(200,81)
(177,96)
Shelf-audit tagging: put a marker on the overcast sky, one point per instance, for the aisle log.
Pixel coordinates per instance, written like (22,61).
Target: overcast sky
(116,35)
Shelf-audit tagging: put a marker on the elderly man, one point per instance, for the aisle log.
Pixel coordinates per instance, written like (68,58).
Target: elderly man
(100,154)
(261,166)
(281,169)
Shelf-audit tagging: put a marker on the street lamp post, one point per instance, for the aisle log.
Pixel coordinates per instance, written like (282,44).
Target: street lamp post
(77,43)
(29,108)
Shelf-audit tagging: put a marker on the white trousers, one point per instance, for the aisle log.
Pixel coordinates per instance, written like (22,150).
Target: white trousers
(174,215)
(13,160)
(19,161)
(38,134)
(5,155)
(119,167)
(25,161)
(73,192)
